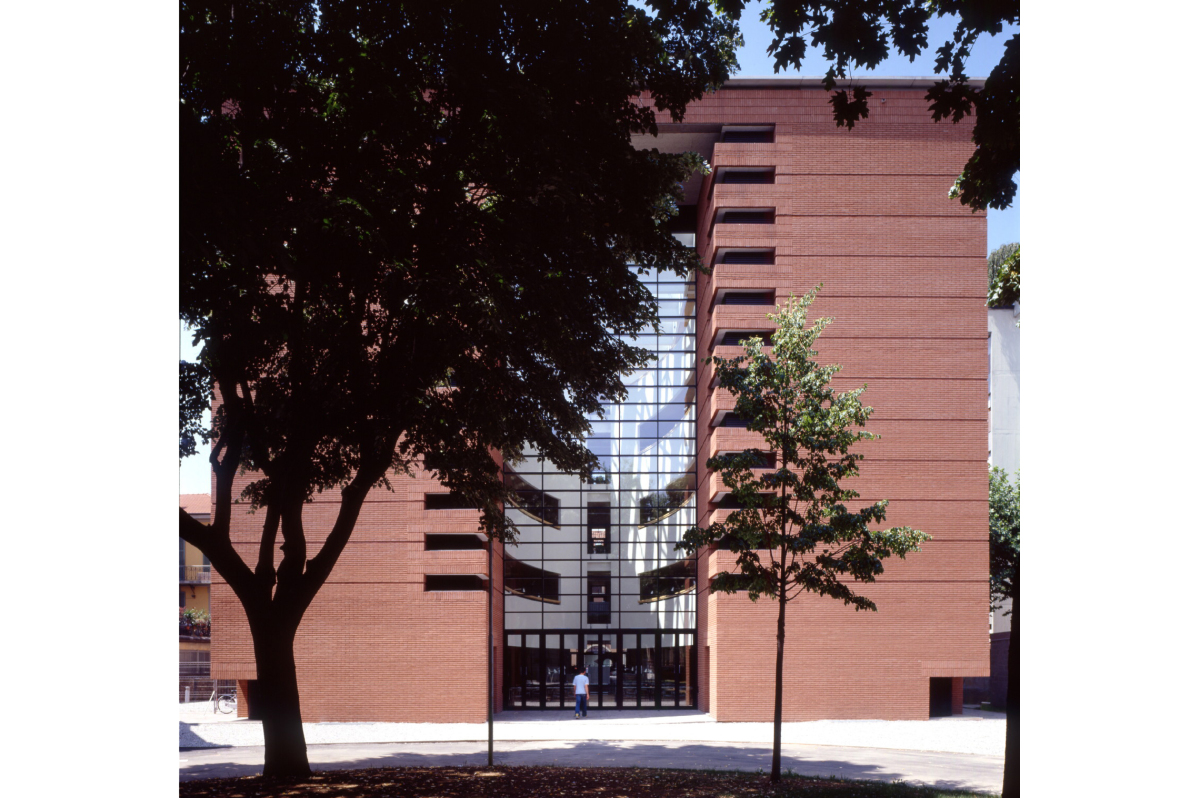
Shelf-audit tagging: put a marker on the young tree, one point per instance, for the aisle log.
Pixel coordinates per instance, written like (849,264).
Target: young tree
(793,531)
(1004,281)
(1004,532)
(997,257)
(858,33)
(406,237)
(1004,523)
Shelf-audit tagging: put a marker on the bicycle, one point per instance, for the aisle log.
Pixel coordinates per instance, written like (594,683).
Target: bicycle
(224,703)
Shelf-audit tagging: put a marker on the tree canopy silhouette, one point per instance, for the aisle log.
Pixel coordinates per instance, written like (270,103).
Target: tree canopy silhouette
(406,239)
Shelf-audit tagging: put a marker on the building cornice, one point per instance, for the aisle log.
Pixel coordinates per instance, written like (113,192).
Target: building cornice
(762,82)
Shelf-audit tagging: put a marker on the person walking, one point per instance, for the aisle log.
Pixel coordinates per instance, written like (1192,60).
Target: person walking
(582,694)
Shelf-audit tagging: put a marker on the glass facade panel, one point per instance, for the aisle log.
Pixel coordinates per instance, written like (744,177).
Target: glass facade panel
(576,578)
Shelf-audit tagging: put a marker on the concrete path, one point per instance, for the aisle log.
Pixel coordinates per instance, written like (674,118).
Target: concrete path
(946,770)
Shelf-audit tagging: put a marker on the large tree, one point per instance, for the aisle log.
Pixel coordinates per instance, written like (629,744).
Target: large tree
(793,532)
(860,33)
(406,240)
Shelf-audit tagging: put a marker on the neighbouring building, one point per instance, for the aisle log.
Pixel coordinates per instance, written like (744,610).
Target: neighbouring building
(1004,451)
(195,579)
(399,632)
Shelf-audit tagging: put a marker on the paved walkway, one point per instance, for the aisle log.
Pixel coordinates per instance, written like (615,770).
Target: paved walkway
(963,752)
(948,771)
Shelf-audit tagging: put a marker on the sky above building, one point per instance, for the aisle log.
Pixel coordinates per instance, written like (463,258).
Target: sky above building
(1003,226)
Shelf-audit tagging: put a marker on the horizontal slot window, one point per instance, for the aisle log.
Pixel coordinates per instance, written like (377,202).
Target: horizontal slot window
(733,420)
(758,457)
(748,298)
(746,177)
(752,216)
(740,338)
(763,257)
(445,582)
(448,501)
(751,134)
(530,500)
(530,582)
(452,543)
(670,580)
(662,503)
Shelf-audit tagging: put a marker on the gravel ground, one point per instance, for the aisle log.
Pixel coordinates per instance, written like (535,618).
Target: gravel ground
(973,733)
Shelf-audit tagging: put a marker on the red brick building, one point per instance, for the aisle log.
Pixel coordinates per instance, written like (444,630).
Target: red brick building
(399,632)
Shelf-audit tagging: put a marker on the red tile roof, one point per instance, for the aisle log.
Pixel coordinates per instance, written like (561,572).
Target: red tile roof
(195,502)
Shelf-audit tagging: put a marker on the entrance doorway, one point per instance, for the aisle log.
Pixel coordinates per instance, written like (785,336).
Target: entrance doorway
(627,668)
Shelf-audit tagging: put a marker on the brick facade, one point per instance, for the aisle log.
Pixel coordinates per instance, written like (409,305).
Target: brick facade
(904,272)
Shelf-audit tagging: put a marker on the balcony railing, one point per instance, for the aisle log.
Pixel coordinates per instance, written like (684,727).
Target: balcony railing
(195,574)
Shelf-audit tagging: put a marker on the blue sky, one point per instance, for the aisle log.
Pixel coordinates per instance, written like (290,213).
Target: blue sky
(1003,226)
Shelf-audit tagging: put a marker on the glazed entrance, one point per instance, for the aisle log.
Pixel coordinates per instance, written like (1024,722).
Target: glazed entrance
(628,669)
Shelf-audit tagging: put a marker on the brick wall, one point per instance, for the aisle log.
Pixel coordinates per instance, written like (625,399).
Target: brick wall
(903,269)
(375,646)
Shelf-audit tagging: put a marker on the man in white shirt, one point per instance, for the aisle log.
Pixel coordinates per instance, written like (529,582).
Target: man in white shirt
(582,694)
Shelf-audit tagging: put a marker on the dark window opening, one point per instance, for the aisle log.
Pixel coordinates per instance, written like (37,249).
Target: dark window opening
(737,581)
(452,543)
(669,580)
(448,501)
(599,604)
(757,457)
(744,136)
(940,696)
(740,338)
(538,503)
(254,704)
(733,420)
(748,298)
(730,502)
(599,526)
(533,583)
(751,257)
(439,582)
(748,217)
(761,459)
(662,503)
(748,177)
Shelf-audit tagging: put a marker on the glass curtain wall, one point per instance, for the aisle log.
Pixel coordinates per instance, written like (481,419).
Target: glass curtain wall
(595,580)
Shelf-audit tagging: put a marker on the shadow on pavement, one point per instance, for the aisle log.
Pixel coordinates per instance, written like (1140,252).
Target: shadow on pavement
(190,741)
(942,770)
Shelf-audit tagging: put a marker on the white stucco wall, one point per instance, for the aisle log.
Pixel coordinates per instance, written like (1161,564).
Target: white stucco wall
(1004,404)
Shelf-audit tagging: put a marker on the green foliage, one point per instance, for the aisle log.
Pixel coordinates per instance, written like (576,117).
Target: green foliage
(375,195)
(1005,282)
(859,33)
(997,257)
(194,623)
(1004,532)
(794,531)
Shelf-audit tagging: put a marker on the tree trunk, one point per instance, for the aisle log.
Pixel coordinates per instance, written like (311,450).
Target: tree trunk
(778,741)
(278,698)
(1012,733)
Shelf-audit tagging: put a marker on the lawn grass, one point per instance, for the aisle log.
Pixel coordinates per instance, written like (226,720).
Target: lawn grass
(551,782)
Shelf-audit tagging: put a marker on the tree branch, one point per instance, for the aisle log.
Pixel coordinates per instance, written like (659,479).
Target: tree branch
(353,495)
(220,552)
